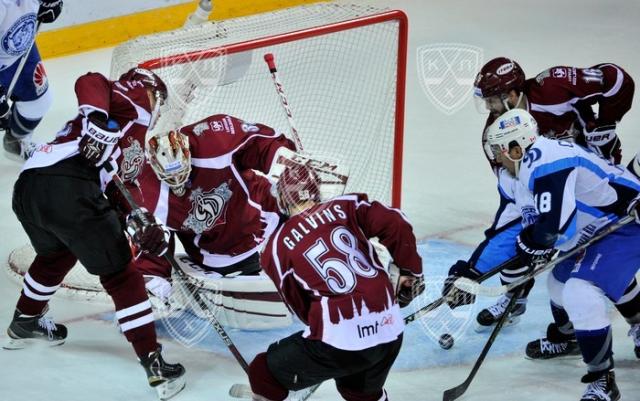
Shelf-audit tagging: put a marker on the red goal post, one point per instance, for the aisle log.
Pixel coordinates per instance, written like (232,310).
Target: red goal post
(343,67)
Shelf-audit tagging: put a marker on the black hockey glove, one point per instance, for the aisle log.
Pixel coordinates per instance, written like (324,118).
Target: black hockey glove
(453,295)
(604,142)
(49,10)
(530,253)
(4,109)
(634,209)
(99,138)
(148,235)
(408,287)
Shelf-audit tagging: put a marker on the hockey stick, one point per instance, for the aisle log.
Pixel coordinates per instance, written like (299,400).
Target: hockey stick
(474,287)
(457,391)
(135,209)
(16,74)
(465,283)
(271,63)
(23,61)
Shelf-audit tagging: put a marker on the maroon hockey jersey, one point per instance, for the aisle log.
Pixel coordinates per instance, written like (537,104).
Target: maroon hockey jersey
(329,275)
(228,210)
(125,102)
(561,99)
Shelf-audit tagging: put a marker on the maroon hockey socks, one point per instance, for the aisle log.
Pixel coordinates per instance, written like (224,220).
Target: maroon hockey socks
(133,309)
(262,381)
(42,281)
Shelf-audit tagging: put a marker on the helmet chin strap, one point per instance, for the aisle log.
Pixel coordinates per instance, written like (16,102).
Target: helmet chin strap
(507,107)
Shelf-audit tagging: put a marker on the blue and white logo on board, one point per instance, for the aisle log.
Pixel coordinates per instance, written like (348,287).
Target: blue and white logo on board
(17,39)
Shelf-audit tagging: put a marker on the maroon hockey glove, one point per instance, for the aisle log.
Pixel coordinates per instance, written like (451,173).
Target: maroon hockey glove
(409,287)
(49,10)
(146,233)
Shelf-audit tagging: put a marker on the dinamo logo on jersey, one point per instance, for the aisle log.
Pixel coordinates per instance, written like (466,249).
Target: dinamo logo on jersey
(133,160)
(447,72)
(17,39)
(208,208)
(40,80)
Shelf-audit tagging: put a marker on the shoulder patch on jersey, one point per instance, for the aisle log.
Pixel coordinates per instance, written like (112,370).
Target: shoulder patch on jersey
(17,39)
(133,160)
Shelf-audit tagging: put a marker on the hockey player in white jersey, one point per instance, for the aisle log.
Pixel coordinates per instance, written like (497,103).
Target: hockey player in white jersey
(22,73)
(575,193)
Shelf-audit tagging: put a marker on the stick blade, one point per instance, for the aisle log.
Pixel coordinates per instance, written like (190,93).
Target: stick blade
(239,390)
(454,393)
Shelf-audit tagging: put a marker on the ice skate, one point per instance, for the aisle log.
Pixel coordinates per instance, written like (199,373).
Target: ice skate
(602,387)
(168,379)
(18,149)
(26,330)
(488,317)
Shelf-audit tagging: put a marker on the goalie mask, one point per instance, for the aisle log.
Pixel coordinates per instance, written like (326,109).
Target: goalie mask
(153,82)
(510,136)
(170,159)
(297,185)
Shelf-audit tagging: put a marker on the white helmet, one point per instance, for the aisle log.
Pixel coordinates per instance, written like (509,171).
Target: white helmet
(516,127)
(170,159)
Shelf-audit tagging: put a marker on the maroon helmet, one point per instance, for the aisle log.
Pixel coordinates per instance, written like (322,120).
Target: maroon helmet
(297,184)
(498,76)
(148,78)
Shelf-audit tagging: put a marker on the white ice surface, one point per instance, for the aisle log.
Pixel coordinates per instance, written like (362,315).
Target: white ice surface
(448,194)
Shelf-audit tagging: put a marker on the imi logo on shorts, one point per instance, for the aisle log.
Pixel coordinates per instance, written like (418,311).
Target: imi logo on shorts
(372,329)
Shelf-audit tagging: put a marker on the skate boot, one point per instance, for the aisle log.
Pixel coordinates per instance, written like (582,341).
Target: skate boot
(554,345)
(489,317)
(602,387)
(25,330)
(168,379)
(19,149)
(634,333)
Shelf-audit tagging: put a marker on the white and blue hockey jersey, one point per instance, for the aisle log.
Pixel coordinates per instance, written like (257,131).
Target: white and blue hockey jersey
(18,28)
(575,191)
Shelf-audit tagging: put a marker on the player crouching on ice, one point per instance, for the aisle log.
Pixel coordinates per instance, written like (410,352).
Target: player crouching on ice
(328,274)
(200,183)
(576,193)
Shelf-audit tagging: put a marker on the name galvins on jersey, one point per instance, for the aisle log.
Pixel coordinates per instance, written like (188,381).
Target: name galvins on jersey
(329,275)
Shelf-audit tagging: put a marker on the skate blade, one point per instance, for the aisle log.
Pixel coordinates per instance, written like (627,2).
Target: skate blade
(21,343)
(565,357)
(170,388)
(13,157)
(510,322)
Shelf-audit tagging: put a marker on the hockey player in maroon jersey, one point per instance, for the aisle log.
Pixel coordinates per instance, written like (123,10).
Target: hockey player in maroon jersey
(59,201)
(200,184)
(561,99)
(329,275)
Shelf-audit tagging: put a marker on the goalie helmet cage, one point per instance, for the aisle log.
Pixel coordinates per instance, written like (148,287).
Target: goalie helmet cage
(343,70)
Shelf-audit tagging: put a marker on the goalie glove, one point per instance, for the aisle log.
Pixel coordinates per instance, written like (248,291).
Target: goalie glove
(49,10)
(453,295)
(99,138)
(147,234)
(406,285)
(604,142)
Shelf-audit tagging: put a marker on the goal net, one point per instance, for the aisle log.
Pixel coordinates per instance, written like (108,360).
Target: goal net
(342,68)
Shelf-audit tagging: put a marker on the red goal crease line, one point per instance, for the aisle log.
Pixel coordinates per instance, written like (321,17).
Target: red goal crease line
(393,15)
